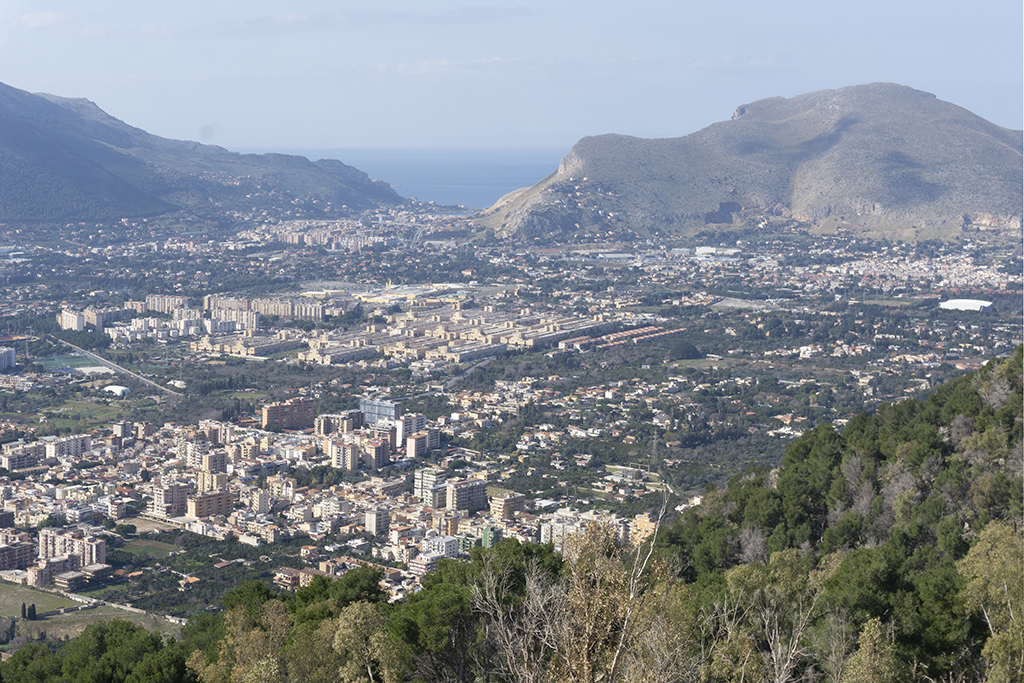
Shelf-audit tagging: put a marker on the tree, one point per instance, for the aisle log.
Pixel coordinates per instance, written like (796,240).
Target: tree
(252,648)
(437,628)
(108,651)
(875,660)
(31,616)
(360,638)
(668,650)
(250,595)
(782,601)
(995,588)
(125,529)
(31,663)
(604,606)
(310,653)
(519,603)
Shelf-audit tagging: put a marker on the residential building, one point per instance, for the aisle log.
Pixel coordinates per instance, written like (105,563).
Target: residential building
(344,456)
(425,479)
(424,563)
(55,542)
(444,545)
(73,446)
(217,461)
(295,413)
(376,522)
(169,500)
(410,424)
(506,505)
(467,494)
(211,503)
(211,481)
(376,454)
(160,303)
(376,409)
(416,445)
(71,320)
(17,555)
(260,502)
(344,423)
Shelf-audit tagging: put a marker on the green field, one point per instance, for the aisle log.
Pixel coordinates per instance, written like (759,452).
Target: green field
(143,548)
(12,595)
(71,413)
(71,360)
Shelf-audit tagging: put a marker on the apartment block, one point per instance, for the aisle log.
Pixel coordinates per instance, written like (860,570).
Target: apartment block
(416,445)
(424,480)
(211,503)
(211,481)
(341,423)
(295,413)
(344,456)
(374,409)
(507,505)
(169,500)
(59,542)
(71,320)
(69,446)
(467,494)
(376,454)
(376,522)
(160,303)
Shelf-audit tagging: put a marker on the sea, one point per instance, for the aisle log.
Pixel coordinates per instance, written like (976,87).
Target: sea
(474,178)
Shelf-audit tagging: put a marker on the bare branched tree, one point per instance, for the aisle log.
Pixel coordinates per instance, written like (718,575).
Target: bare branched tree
(833,643)
(522,630)
(753,545)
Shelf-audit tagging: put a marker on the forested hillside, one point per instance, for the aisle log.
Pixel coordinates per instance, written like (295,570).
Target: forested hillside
(889,552)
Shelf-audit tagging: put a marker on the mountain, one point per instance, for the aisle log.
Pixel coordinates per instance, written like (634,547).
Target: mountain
(878,157)
(67,160)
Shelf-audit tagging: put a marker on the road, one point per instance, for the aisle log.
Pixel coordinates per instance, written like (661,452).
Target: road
(117,368)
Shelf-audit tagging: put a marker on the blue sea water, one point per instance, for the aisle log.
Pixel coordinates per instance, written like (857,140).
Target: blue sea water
(474,178)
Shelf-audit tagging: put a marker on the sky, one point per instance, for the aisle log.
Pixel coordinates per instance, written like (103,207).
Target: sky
(313,74)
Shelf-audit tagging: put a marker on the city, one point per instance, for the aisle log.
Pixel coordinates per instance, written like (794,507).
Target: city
(348,402)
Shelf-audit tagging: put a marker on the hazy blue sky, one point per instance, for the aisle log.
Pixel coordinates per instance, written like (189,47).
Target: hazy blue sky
(263,74)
